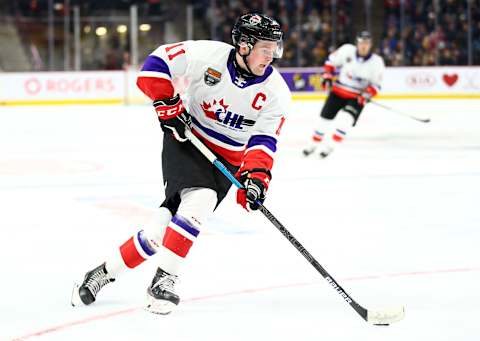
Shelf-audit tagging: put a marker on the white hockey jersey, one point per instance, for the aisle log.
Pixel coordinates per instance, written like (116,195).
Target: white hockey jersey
(355,73)
(234,116)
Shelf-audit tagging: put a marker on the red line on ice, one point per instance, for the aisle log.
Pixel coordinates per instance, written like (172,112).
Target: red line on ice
(239,292)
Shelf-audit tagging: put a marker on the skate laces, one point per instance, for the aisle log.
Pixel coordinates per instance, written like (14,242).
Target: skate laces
(97,281)
(166,283)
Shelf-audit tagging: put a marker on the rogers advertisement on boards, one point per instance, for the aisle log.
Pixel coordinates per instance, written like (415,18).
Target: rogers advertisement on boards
(63,85)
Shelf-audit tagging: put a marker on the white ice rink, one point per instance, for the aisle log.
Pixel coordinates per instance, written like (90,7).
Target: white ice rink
(393,215)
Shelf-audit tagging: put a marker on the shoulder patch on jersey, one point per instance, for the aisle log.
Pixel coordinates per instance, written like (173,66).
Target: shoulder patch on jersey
(212,77)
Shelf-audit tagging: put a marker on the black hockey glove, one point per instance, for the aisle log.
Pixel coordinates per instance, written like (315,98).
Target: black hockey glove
(327,81)
(173,117)
(256,183)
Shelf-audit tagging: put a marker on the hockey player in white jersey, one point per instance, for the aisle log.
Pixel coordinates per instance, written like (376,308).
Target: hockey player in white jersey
(359,76)
(236,103)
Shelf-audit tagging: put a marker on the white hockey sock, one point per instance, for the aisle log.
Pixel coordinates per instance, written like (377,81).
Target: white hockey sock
(321,127)
(195,206)
(140,246)
(343,123)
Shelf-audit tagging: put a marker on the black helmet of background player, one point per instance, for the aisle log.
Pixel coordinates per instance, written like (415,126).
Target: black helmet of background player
(253,27)
(364,43)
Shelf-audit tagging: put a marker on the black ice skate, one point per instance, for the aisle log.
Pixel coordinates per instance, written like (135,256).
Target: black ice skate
(323,155)
(310,148)
(326,150)
(161,297)
(308,151)
(94,280)
(322,151)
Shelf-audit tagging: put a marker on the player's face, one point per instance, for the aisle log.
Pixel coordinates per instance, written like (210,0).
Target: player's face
(261,56)
(363,47)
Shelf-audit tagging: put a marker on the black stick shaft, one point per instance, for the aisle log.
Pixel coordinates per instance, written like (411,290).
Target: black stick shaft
(357,307)
(423,120)
(221,167)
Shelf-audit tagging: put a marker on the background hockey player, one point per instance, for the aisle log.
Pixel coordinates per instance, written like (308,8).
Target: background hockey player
(359,79)
(236,104)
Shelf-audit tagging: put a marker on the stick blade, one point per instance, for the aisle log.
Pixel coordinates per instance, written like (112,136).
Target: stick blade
(385,317)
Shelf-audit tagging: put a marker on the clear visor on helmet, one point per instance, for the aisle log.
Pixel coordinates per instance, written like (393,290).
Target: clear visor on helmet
(270,48)
(364,40)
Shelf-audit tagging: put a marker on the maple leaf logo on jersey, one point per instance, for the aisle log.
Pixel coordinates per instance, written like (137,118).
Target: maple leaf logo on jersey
(218,111)
(210,109)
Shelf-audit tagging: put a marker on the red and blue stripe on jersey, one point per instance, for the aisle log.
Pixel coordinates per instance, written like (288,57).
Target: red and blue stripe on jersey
(258,152)
(155,79)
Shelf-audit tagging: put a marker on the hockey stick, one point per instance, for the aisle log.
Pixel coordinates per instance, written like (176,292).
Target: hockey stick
(376,317)
(423,120)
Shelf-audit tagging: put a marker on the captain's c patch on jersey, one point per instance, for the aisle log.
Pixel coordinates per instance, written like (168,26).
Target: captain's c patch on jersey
(212,77)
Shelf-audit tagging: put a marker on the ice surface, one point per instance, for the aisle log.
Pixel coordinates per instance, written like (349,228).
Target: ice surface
(392,215)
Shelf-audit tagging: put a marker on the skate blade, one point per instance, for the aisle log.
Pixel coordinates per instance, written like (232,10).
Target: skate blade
(322,155)
(307,152)
(75,300)
(160,307)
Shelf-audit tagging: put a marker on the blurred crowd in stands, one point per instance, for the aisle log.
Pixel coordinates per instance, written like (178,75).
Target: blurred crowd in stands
(416,35)
(307,25)
(425,32)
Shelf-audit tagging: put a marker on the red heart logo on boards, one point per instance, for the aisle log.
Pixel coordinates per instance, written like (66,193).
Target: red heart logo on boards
(450,80)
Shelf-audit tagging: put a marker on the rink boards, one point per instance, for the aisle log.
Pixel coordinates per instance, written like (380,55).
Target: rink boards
(118,87)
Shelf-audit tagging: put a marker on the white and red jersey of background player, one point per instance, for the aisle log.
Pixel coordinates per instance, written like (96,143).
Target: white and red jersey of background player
(238,118)
(355,73)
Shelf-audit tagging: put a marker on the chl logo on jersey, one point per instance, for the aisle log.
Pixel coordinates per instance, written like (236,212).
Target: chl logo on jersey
(218,111)
(212,77)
